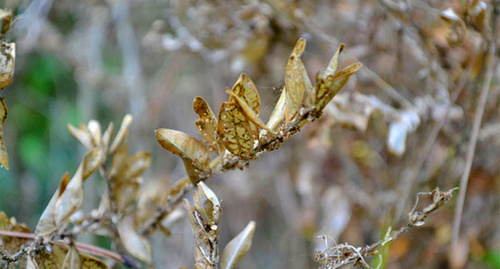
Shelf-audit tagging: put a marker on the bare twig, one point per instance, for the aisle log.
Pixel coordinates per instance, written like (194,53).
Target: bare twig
(473,140)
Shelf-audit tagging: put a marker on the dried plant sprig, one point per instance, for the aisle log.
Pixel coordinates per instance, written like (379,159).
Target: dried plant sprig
(347,256)
(238,135)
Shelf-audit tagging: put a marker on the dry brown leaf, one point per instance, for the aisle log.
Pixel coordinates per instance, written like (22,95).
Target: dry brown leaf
(235,131)
(106,140)
(10,243)
(195,155)
(327,88)
(4,157)
(7,61)
(135,165)
(137,245)
(90,162)
(5,18)
(207,203)
(122,134)
(246,90)
(248,112)
(95,131)
(47,223)
(238,247)
(299,89)
(207,124)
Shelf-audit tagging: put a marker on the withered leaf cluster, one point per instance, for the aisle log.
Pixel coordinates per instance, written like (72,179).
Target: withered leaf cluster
(238,134)
(204,219)
(7,61)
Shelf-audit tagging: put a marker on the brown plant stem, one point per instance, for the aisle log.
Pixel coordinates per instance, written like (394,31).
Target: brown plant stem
(473,141)
(82,247)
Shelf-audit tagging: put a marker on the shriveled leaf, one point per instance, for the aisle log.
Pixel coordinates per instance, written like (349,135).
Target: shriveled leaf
(81,134)
(238,247)
(90,262)
(4,157)
(327,88)
(7,62)
(249,112)
(235,131)
(119,161)
(299,89)
(71,199)
(122,134)
(47,223)
(207,203)
(72,259)
(95,131)
(334,63)
(136,165)
(5,18)
(246,90)
(10,243)
(195,155)
(125,193)
(278,114)
(206,124)
(106,140)
(90,162)
(137,245)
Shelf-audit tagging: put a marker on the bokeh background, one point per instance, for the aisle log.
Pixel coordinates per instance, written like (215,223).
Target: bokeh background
(346,175)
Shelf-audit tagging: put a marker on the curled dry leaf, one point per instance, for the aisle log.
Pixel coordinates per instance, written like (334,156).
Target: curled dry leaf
(195,155)
(47,223)
(207,124)
(62,257)
(238,247)
(95,131)
(245,89)
(121,136)
(207,203)
(299,89)
(4,157)
(106,140)
(278,114)
(235,131)
(72,197)
(249,113)
(81,134)
(137,245)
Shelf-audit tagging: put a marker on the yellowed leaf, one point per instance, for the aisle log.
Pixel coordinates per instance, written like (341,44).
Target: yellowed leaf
(235,131)
(248,112)
(327,88)
(4,157)
(334,63)
(106,140)
(122,134)
(207,124)
(134,243)
(90,162)
(299,89)
(10,243)
(193,152)
(246,90)
(136,165)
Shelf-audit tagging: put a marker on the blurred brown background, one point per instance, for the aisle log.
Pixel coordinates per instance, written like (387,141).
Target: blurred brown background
(400,126)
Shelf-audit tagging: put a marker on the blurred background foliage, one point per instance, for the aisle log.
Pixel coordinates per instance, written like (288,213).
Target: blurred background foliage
(82,60)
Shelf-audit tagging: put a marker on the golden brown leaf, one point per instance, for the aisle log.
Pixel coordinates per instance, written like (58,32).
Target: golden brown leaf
(248,111)
(10,243)
(207,203)
(195,155)
(207,124)
(5,18)
(235,131)
(299,89)
(327,88)
(246,90)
